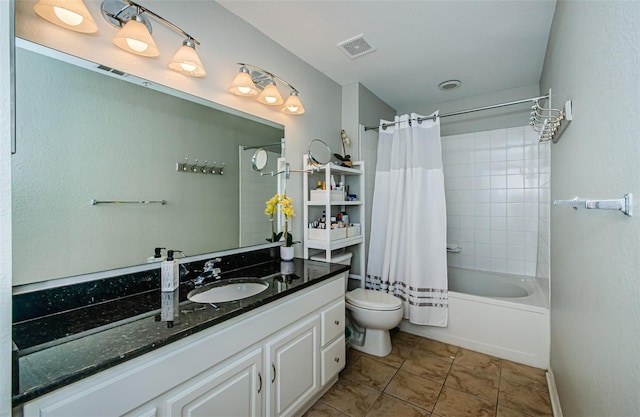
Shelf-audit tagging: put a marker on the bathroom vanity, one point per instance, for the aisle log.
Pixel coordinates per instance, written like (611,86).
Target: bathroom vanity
(271,354)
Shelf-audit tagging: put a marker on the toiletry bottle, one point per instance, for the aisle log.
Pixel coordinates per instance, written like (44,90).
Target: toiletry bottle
(157,256)
(333,183)
(169,273)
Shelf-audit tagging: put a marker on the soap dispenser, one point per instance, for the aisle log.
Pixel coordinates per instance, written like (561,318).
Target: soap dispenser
(157,256)
(169,273)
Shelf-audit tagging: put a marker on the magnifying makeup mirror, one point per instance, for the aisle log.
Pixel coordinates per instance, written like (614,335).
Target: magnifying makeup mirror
(319,152)
(259,159)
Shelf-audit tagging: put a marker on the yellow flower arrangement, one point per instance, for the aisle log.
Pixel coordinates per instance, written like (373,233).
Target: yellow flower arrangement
(286,207)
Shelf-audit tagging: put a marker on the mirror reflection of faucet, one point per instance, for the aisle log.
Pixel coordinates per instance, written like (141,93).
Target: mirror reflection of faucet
(209,271)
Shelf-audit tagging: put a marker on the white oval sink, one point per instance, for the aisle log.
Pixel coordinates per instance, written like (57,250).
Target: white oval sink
(227,292)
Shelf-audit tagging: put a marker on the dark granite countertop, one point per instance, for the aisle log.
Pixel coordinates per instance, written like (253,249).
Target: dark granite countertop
(62,347)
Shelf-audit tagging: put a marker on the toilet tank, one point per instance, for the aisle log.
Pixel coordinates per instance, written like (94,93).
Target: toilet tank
(341,258)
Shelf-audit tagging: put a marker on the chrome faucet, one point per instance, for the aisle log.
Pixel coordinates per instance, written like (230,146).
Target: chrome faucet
(209,271)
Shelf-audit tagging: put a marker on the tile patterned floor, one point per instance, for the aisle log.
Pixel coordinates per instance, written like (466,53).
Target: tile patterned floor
(422,377)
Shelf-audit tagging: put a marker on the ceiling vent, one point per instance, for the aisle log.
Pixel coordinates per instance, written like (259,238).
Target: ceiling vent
(356,47)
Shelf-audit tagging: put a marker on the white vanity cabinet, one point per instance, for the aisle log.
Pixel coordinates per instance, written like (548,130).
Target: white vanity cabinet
(293,357)
(231,389)
(266,362)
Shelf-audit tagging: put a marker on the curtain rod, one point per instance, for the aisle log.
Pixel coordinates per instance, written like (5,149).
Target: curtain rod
(493,106)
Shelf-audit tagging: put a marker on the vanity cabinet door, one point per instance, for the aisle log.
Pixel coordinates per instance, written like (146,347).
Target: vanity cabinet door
(232,389)
(294,362)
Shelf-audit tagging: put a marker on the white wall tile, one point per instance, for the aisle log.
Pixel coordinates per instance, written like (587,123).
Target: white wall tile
(498,181)
(482,140)
(483,155)
(499,223)
(498,251)
(482,168)
(498,138)
(482,222)
(498,209)
(482,196)
(498,195)
(483,182)
(515,195)
(498,199)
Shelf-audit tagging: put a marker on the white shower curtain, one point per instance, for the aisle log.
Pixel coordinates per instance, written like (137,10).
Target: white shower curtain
(408,249)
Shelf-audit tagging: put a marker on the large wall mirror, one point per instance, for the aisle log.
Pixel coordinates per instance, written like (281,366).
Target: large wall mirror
(86,135)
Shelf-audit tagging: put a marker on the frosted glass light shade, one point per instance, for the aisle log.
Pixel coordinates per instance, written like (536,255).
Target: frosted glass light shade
(186,61)
(135,38)
(293,104)
(243,85)
(69,14)
(270,95)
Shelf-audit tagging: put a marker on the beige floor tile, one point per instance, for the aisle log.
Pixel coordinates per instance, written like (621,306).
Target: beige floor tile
(507,412)
(351,399)
(479,382)
(414,389)
(405,340)
(388,406)
(353,355)
(321,409)
(369,372)
(524,399)
(426,366)
(524,375)
(441,350)
(396,358)
(453,403)
(476,360)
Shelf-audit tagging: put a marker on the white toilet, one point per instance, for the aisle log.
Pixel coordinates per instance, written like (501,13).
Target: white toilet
(377,313)
(372,313)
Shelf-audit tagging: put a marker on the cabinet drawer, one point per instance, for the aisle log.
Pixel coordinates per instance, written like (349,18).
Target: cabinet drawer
(332,322)
(333,359)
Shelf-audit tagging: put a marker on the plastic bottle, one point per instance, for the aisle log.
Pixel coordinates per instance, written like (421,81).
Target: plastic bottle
(157,256)
(169,273)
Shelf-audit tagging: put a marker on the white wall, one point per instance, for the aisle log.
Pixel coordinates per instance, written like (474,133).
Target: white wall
(5,208)
(494,183)
(225,40)
(593,58)
(361,107)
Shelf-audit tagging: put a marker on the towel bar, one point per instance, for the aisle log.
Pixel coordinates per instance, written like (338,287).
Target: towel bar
(622,204)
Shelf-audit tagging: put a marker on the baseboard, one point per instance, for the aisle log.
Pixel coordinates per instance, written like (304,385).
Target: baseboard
(553,394)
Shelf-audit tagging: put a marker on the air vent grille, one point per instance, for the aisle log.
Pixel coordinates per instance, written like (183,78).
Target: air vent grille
(356,47)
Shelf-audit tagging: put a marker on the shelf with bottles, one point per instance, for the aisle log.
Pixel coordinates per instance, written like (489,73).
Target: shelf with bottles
(335,185)
(337,193)
(339,225)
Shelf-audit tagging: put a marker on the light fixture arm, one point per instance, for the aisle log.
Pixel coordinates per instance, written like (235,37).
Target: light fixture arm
(287,171)
(142,9)
(270,74)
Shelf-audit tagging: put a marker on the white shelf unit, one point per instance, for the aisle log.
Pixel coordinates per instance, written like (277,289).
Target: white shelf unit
(353,178)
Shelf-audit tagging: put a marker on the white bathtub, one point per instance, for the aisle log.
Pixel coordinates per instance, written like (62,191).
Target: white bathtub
(502,315)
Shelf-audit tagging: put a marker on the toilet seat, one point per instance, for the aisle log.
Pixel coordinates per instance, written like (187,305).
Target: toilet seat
(373,300)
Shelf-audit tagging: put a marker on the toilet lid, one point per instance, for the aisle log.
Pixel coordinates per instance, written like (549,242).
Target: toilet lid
(373,300)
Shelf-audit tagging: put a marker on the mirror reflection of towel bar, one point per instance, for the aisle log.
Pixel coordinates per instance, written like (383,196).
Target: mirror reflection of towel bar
(95,202)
